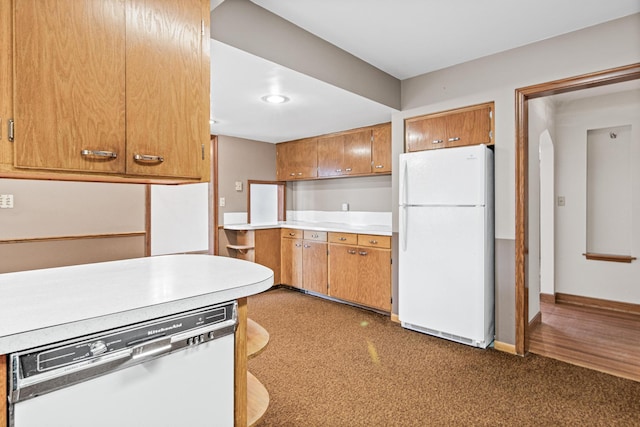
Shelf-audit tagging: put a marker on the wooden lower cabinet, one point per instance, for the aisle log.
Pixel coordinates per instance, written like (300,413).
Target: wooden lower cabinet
(355,268)
(291,262)
(361,275)
(260,246)
(304,259)
(314,266)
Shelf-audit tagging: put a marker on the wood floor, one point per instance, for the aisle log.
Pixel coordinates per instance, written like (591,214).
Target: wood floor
(603,340)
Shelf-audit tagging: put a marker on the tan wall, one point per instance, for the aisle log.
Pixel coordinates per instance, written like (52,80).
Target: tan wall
(367,193)
(240,160)
(57,223)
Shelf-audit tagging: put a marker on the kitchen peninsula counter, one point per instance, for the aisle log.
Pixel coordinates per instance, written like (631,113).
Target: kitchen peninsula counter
(38,307)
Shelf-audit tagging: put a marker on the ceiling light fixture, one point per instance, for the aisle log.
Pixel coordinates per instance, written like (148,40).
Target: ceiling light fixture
(275,99)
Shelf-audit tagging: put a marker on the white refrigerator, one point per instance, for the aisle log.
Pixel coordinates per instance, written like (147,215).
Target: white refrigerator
(446,245)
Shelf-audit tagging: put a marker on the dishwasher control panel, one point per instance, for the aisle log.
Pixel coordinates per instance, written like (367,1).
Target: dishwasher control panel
(84,350)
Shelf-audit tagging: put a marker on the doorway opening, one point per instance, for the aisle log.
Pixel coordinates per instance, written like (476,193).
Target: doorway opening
(523,96)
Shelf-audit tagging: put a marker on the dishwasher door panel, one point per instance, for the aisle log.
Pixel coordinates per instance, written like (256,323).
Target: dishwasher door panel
(192,387)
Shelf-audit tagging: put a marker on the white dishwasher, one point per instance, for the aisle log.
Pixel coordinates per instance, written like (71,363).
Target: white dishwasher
(173,371)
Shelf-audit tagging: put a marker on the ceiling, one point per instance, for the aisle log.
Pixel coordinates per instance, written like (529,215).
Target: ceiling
(403,38)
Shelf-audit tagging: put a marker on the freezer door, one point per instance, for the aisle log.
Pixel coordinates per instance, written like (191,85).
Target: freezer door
(443,268)
(450,177)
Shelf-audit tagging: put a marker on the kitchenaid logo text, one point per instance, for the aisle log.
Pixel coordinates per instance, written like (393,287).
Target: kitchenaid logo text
(168,328)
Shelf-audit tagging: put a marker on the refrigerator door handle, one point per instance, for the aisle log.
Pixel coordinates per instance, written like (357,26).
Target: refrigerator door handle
(403,237)
(404,183)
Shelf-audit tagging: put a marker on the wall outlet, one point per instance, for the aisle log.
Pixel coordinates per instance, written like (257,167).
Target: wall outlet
(222,202)
(345,207)
(6,201)
(560,200)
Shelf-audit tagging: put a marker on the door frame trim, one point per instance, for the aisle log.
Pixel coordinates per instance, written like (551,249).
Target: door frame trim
(522,96)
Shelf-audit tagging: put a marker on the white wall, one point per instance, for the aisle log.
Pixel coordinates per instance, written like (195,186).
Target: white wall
(541,119)
(574,274)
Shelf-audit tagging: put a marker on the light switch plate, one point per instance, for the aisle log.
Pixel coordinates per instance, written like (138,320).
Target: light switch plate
(238,185)
(222,202)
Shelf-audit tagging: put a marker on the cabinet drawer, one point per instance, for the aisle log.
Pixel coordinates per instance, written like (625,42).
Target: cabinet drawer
(374,241)
(319,236)
(290,233)
(344,238)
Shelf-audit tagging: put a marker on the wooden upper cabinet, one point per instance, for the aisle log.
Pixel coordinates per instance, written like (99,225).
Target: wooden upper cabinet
(381,149)
(466,126)
(330,156)
(345,154)
(165,114)
(112,87)
(297,159)
(70,85)
(355,152)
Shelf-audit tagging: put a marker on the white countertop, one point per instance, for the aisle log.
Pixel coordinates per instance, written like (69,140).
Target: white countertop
(39,307)
(378,230)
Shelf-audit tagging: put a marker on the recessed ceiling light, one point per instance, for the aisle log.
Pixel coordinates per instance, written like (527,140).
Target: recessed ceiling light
(275,99)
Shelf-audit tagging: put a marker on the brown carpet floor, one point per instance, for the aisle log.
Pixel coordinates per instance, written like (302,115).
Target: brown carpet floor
(330,364)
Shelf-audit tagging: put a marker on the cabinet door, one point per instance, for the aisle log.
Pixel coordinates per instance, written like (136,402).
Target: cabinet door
(297,159)
(343,272)
(267,250)
(331,155)
(70,85)
(164,78)
(291,262)
(374,278)
(357,153)
(381,149)
(425,133)
(469,127)
(314,266)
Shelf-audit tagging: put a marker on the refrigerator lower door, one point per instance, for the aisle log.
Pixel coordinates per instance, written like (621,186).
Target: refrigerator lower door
(446,273)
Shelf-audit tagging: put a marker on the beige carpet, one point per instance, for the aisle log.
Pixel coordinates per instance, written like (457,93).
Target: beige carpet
(329,364)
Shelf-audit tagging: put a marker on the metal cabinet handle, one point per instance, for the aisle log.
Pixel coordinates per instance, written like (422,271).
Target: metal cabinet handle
(348,169)
(363,253)
(437,141)
(98,153)
(373,242)
(351,251)
(307,246)
(315,235)
(342,239)
(292,174)
(338,170)
(292,234)
(299,173)
(379,166)
(455,138)
(298,245)
(147,158)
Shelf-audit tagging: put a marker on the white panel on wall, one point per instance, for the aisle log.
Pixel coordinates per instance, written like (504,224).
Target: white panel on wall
(264,204)
(66,208)
(179,218)
(609,194)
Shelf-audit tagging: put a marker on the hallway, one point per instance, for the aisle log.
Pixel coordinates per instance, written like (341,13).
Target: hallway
(604,340)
